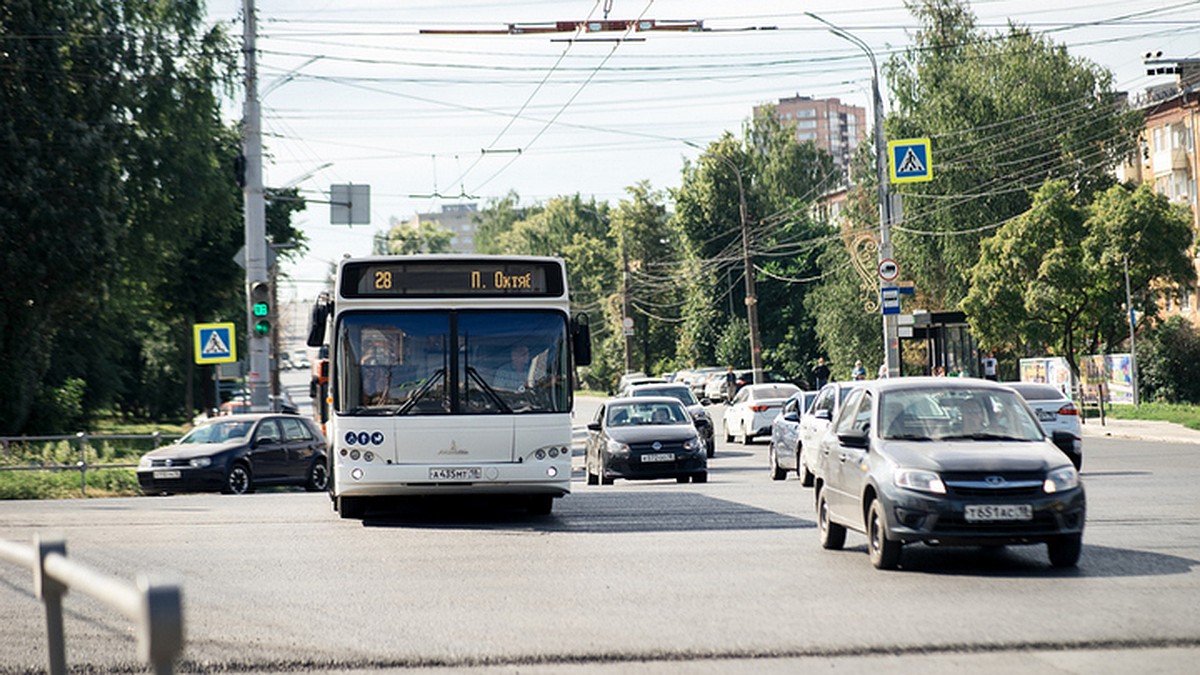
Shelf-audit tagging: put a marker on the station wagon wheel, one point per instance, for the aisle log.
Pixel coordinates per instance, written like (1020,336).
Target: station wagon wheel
(318,476)
(833,536)
(776,472)
(1065,552)
(806,477)
(885,553)
(238,480)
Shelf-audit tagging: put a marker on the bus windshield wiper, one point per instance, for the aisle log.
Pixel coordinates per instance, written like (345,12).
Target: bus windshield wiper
(372,410)
(487,389)
(437,375)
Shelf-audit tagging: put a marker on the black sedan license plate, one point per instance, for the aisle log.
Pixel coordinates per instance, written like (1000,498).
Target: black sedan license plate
(986,513)
(455,473)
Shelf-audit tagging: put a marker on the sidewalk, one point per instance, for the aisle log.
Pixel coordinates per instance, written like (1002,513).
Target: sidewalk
(1146,430)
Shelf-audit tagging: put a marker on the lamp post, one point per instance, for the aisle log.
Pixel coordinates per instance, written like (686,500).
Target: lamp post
(751,295)
(891,340)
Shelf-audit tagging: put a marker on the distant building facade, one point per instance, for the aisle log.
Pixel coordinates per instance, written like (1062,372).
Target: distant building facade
(1167,159)
(828,123)
(458,219)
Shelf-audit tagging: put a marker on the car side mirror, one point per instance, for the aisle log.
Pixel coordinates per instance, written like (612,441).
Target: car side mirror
(823,414)
(854,438)
(593,426)
(791,416)
(706,401)
(1065,441)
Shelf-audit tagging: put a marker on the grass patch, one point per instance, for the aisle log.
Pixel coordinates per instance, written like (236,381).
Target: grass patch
(1179,413)
(55,484)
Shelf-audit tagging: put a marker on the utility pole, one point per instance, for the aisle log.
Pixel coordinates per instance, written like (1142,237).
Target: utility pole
(255,215)
(626,317)
(1132,325)
(751,297)
(891,337)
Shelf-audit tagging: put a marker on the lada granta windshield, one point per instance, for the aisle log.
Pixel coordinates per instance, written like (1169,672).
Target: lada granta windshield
(956,414)
(453,363)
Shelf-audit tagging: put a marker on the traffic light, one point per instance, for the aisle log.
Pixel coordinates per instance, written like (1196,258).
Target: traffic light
(260,307)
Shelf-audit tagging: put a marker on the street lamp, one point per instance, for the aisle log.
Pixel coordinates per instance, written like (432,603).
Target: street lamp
(751,296)
(891,340)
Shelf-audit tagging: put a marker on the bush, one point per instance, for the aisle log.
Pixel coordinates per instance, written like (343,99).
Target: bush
(1169,363)
(51,484)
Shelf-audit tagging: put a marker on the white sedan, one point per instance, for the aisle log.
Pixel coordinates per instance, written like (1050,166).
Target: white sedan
(752,410)
(1055,412)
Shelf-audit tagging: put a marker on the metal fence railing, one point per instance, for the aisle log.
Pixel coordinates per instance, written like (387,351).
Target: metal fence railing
(84,443)
(156,607)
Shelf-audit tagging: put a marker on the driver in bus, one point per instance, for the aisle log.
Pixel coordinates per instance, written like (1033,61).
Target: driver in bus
(375,367)
(514,375)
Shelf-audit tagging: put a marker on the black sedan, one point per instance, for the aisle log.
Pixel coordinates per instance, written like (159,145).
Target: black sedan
(236,453)
(950,461)
(644,438)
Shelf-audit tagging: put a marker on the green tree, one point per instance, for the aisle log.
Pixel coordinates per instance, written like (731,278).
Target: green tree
(1005,111)
(113,167)
(1054,275)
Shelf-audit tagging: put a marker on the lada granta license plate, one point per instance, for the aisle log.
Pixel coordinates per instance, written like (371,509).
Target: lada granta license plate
(984,513)
(456,473)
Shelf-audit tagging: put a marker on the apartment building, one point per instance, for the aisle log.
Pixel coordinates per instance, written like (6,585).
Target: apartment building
(1167,158)
(828,123)
(454,217)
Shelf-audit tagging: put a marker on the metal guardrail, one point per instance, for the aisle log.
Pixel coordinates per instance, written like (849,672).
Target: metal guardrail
(155,606)
(83,439)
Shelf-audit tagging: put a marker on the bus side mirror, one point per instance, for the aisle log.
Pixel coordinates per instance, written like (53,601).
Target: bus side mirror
(581,340)
(316,327)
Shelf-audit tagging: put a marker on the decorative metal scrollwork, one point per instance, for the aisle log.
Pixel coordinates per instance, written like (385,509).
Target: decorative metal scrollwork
(864,253)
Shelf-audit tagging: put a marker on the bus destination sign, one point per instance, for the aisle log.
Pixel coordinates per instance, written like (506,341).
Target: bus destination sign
(469,278)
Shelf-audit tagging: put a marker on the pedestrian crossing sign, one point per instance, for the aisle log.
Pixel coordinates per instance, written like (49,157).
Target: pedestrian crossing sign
(909,161)
(214,343)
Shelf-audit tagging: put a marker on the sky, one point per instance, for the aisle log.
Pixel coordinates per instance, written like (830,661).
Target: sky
(359,91)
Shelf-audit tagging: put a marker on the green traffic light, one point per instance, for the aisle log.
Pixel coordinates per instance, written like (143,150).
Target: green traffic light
(262,327)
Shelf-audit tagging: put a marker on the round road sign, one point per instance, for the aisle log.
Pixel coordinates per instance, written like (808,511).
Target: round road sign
(888,269)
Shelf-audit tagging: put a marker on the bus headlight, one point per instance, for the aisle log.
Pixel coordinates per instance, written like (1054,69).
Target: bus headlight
(357,473)
(551,471)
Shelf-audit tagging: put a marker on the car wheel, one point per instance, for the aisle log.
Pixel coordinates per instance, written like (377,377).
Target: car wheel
(604,480)
(712,447)
(351,507)
(681,479)
(806,477)
(701,477)
(885,553)
(592,478)
(1065,552)
(728,436)
(318,476)
(833,536)
(747,437)
(238,480)
(776,472)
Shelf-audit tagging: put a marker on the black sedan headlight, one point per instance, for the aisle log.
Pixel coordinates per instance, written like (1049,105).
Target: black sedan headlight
(919,480)
(1061,480)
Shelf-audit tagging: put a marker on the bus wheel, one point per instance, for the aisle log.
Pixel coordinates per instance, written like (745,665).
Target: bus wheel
(541,505)
(351,507)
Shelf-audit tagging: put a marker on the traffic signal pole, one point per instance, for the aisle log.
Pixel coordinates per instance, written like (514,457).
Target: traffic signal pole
(257,341)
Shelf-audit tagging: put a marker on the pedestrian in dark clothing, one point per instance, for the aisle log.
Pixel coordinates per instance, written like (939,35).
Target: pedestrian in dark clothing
(821,373)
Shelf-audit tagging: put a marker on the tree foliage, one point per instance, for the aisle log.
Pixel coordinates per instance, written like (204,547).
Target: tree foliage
(119,217)
(1005,111)
(1054,276)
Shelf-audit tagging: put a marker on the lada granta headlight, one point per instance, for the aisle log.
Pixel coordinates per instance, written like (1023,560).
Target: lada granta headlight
(921,481)
(1061,480)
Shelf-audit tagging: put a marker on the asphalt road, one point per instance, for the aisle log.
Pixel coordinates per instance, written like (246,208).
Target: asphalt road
(650,577)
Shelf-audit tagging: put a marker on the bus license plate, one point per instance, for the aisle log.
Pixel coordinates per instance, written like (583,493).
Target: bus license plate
(659,457)
(166,474)
(983,513)
(456,473)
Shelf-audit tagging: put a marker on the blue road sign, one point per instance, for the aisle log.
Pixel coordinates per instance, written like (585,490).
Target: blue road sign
(910,161)
(214,343)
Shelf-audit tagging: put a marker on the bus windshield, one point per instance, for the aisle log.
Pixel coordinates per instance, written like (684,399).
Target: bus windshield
(467,362)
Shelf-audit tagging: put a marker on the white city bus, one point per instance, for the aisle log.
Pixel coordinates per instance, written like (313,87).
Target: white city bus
(449,374)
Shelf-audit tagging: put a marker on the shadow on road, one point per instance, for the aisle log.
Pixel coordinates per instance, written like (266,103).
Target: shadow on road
(1031,561)
(587,513)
